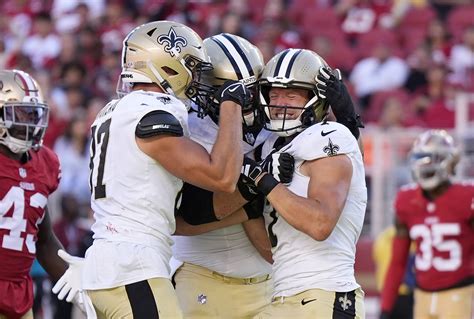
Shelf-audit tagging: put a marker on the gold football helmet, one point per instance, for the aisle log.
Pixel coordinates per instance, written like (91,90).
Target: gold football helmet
(23,111)
(298,69)
(232,58)
(166,53)
(433,158)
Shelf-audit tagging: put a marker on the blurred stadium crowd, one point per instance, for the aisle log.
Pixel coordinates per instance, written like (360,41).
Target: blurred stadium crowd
(404,61)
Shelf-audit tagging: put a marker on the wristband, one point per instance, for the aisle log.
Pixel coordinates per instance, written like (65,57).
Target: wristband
(246,189)
(266,184)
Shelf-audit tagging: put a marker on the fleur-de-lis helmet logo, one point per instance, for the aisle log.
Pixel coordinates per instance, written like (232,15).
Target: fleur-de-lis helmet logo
(173,42)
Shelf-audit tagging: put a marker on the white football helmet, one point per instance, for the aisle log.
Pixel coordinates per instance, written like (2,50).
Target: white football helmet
(232,58)
(23,111)
(298,69)
(166,53)
(433,158)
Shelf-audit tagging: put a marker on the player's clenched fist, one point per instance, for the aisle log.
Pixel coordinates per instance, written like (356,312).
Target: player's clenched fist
(234,91)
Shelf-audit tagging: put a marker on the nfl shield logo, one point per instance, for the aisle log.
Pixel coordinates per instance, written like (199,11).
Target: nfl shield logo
(22,172)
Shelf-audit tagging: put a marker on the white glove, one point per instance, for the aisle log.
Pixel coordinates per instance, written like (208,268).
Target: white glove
(70,282)
(79,301)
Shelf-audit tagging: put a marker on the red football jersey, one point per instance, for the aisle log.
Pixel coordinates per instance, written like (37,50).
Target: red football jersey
(442,232)
(24,190)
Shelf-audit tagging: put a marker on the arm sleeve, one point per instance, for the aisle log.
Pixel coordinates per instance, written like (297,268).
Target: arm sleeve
(395,273)
(197,206)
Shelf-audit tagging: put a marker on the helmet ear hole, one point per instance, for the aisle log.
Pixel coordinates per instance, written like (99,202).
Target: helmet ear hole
(169,70)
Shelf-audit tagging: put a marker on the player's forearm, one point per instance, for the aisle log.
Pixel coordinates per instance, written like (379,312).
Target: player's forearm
(227,155)
(395,272)
(225,203)
(257,234)
(309,216)
(48,257)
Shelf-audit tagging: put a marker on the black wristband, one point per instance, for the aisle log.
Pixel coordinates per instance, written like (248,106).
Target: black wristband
(246,188)
(266,184)
(254,208)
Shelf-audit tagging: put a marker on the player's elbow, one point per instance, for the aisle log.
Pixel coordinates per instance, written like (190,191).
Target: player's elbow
(320,235)
(227,182)
(226,185)
(320,232)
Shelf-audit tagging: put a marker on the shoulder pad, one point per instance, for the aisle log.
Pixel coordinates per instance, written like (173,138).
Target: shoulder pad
(157,123)
(322,140)
(52,166)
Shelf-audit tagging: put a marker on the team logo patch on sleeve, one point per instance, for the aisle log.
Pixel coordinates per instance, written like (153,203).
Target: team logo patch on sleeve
(331,149)
(173,42)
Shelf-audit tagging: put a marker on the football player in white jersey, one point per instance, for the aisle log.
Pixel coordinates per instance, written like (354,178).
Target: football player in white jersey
(223,274)
(140,154)
(314,222)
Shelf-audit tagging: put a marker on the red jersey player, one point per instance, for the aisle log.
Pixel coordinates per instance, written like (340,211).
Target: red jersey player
(438,215)
(29,173)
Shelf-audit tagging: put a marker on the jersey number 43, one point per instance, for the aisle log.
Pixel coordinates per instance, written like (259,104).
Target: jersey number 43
(15,205)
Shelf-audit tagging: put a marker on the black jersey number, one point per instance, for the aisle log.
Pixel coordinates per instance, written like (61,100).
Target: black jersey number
(99,137)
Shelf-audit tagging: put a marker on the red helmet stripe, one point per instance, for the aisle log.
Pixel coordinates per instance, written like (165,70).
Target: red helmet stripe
(28,85)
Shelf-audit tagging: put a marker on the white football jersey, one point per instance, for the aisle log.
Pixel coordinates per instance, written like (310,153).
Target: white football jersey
(228,250)
(300,262)
(133,196)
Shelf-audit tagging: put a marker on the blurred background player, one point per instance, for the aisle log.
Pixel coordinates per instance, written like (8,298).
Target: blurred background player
(382,253)
(29,173)
(315,222)
(438,215)
(135,192)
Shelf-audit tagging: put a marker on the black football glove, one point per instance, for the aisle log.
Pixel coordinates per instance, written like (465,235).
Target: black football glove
(251,171)
(246,184)
(331,87)
(254,208)
(234,91)
(280,165)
